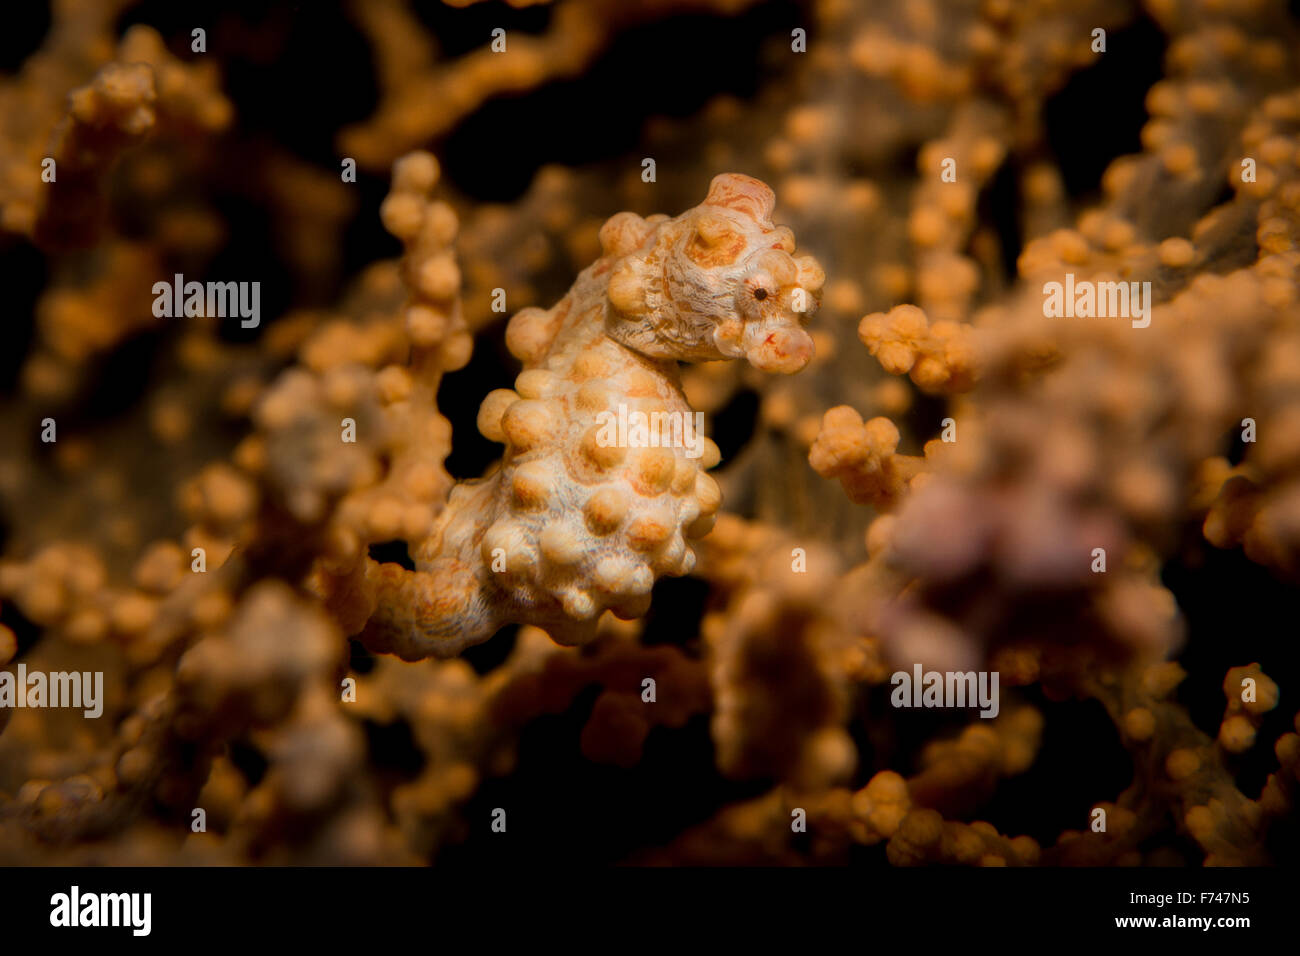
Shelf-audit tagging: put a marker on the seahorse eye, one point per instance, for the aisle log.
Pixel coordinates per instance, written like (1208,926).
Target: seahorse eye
(760,293)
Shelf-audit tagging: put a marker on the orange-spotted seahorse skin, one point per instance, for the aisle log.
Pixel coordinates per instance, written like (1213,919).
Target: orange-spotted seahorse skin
(570,524)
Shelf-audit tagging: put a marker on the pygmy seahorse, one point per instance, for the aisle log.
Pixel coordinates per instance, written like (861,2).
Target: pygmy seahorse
(569,523)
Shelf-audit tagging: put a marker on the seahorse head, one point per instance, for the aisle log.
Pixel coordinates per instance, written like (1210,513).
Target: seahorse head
(720,281)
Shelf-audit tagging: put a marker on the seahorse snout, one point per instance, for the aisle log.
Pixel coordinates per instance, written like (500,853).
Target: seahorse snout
(774,347)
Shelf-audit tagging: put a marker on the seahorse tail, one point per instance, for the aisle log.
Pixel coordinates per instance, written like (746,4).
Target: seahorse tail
(436,612)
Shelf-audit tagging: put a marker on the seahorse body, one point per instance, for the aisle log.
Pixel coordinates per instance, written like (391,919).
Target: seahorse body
(570,524)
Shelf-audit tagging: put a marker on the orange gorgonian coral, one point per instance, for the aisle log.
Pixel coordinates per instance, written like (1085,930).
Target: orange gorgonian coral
(975,559)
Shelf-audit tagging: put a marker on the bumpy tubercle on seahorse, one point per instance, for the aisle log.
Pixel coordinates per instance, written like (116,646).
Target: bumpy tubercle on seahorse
(569,524)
